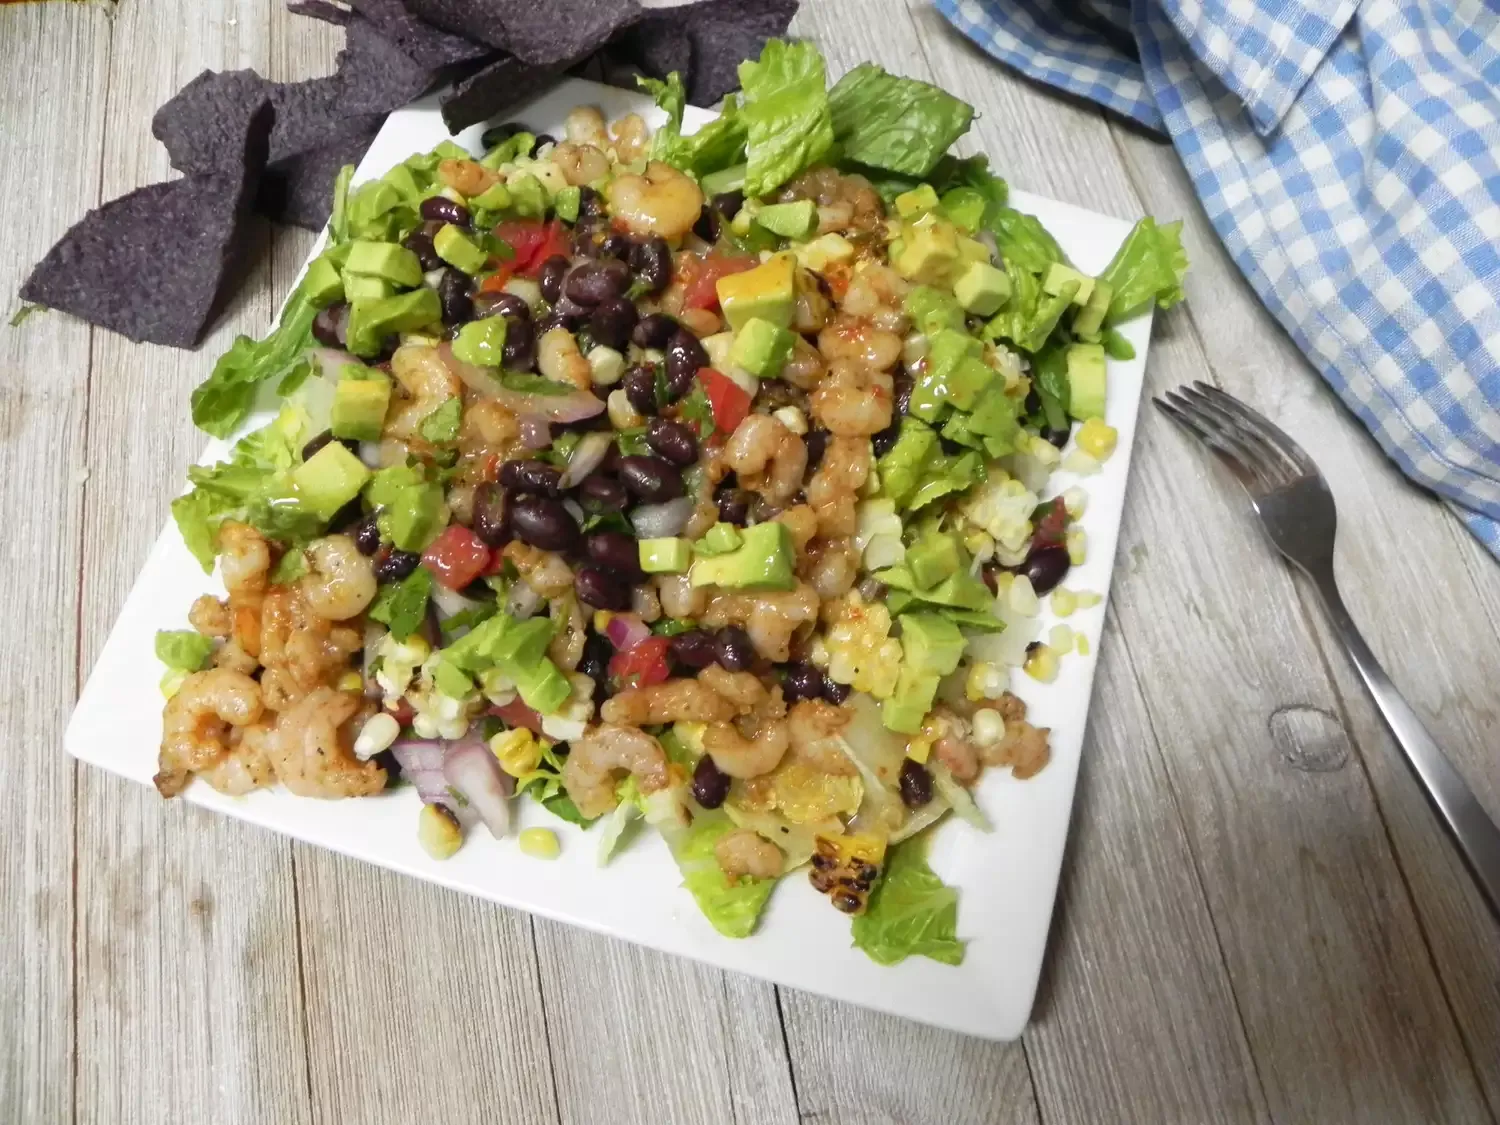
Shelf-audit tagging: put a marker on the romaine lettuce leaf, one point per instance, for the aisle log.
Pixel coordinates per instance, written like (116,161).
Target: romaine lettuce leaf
(911,913)
(184,650)
(899,124)
(1023,241)
(785,109)
(338,222)
(1031,314)
(223,400)
(1149,266)
(731,908)
(613,831)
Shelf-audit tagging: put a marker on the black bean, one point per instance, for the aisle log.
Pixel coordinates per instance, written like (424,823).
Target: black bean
(833,691)
(673,440)
(651,262)
(367,535)
(395,565)
(346,519)
(727,204)
(568,313)
(600,493)
(916,784)
(541,139)
(651,479)
(734,505)
(1033,403)
(801,681)
(1046,567)
(615,550)
(640,388)
(441,209)
(497,133)
(612,322)
(502,304)
(685,355)
(885,439)
(536,477)
(519,352)
(455,291)
(592,282)
(1058,436)
(816,442)
(550,277)
(491,522)
(589,236)
(653,330)
(617,246)
(735,652)
(328,325)
(323,439)
(543,523)
(594,663)
(694,648)
(590,204)
(419,242)
(710,784)
(602,588)
(707,226)
(902,385)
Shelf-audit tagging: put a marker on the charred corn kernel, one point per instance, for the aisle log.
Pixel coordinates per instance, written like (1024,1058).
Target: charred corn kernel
(1097,438)
(1041,663)
(1087,599)
(861,651)
(1060,638)
(518,751)
(171,681)
(1080,462)
(984,681)
(1076,501)
(1078,545)
(918,750)
(1022,597)
(379,731)
(845,869)
(438,831)
(1083,645)
(1064,602)
(605,366)
(690,734)
(792,418)
(622,415)
(351,681)
(540,843)
(989,727)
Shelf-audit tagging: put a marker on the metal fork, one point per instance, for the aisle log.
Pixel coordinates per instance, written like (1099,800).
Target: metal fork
(1297,514)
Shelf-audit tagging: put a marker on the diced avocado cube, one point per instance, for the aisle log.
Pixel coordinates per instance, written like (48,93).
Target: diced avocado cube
(404,180)
(764,561)
(1090,319)
(330,478)
(928,252)
(931,643)
(410,509)
(496,197)
(932,558)
(395,264)
(931,309)
(665,556)
(359,405)
(956,429)
(726,179)
(762,348)
(528,198)
(948,475)
(481,342)
(523,644)
(796,221)
(981,288)
(370,322)
(917,202)
(458,250)
(545,689)
(955,375)
(358,288)
(767,292)
(719,539)
(1058,275)
(972,250)
(996,418)
(965,207)
(1086,381)
(322,285)
(908,705)
(565,203)
(451,680)
(902,466)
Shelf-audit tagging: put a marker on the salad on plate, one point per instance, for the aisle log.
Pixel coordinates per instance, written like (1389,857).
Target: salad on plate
(697,480)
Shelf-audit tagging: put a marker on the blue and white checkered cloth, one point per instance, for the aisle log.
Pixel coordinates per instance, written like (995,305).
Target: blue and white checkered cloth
(1347,155)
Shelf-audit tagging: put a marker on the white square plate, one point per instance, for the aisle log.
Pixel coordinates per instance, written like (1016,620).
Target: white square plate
(1007,879)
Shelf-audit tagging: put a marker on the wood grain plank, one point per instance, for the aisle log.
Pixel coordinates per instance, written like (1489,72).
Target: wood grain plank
(1413,578)
(656,1039)
(53,58)
(188,1002)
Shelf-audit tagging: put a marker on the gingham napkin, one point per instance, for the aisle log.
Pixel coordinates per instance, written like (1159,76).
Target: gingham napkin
(1347,156)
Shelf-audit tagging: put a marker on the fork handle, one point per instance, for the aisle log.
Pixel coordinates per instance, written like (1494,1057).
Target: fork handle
(1475,833)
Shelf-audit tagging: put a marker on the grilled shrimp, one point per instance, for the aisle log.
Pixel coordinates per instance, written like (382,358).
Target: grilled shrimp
(246,765)
(662,202)
(833,491)
(767,456)
(584,125)
(802,522)
(340,581)
(741,756)
(743,852)
(427,383)
(629,137)
(814,726)
(805,367)
(467,177)
(679,597)
(558,358)
(299,648)
(952,746)
(580,164)
(211,617)
(853,400)
(196,723)
(680,700)
(546,573)
(831,566)
(244,562)
(770,617)
(311,748)
(604,752)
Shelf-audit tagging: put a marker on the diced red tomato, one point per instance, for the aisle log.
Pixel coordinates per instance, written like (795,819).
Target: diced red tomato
(730,401)
(701,275)
(403,712)
(456,557)
(1050,520)
(517,714)
(533,242)
(642,665)
(495,282)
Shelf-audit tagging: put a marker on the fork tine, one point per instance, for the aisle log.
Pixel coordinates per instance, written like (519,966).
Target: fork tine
(1273,468)
(1273,434)
(1253,475)
(1176,410)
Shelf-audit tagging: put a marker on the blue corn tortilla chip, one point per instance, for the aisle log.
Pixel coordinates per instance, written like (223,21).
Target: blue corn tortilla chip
(427,46)
(488,91)
(705,42)
(542,33)
(319,10)
(299,189)
(152,264)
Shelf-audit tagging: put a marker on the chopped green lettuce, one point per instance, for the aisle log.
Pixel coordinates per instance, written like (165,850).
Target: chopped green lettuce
(254,486)
(1031,314)
(615,829)
(912,913)
(1149,266)
(1049,376)
(222,402)
(509,150)
(403,605)
(718,145)
(898,124)
(184,650)
(338,222)
(1023,242)
(732,908)
(932,309)
(1116,346)
(785,109)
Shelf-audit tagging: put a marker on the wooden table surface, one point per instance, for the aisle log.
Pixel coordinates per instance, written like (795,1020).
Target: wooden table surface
(1259,919)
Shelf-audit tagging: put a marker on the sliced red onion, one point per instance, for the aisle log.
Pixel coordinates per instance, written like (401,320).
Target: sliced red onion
(625,631)
(369,453)
(573,406)
(422,765)
(536,433)
(330,361)
(591,451)
(470,768)
(661,521)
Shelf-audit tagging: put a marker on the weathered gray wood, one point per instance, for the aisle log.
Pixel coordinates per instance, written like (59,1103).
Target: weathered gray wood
(43,404)
(1425,594)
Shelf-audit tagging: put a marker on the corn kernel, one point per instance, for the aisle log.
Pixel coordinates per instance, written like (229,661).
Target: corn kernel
(1060,638)
(379,731)
(1080,462)
(989,727)
(606,366)
(1076,501)
(517,751)
(1082,645)
(351,681)
(1078,545)
(622,415)
(1041,664)
(918,749)
(792,418)
(438,831)
(974,683)
(1097,438)
(1064,602)
(602,619)
(1087,599)
(540,843)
